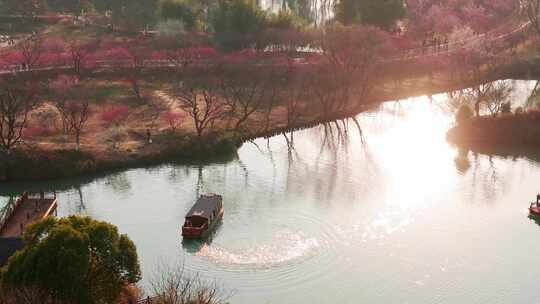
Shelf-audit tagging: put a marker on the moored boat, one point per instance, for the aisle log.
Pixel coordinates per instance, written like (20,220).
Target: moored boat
(203,216)
(534,209)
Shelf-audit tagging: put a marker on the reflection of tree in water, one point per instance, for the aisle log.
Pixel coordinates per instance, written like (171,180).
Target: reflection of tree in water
(81,207)
(534,96)
(462,161)
(490,175)
(119,182)
(74,197)
(200,181)
(217,173)
(331,163)
(177,173)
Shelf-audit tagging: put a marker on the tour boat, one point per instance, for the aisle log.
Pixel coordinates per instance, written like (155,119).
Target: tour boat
(534,209)
(203,216)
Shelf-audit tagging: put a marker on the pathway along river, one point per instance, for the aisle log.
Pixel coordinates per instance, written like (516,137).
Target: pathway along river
(396,217)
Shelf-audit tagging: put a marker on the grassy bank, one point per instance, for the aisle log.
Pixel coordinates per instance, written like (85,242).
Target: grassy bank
(37,164)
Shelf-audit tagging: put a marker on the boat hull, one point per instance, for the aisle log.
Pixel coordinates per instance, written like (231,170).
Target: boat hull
(534,210)
(204,233)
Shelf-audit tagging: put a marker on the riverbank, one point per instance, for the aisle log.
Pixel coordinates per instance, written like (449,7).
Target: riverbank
(46,159)
(38,164)
(46,156)
(507,129)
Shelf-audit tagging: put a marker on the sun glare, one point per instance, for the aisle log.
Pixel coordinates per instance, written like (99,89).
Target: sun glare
(420,129)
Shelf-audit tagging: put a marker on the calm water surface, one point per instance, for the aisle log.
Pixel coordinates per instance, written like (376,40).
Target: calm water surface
(393,214)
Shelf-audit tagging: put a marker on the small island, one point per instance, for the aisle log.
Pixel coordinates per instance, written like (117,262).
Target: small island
(505,129)
(498,125)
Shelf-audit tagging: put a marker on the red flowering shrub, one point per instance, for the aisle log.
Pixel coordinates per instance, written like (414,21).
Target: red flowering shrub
(116,115)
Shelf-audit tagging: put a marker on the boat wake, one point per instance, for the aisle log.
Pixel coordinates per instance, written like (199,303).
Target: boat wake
(286,246)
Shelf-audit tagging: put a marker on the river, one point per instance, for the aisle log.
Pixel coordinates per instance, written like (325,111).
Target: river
(385,213)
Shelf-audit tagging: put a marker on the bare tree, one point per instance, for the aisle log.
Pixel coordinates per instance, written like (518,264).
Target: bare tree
(327,90)
(532,8)
(18,97)
(138,56)
(178,52)
(79,52)
(352,54)
(64,89)
(498,96)
(78,112)
(295,94)
(479,95)
(201,101)
(171,285)
(31,50)
(73,106)
(245,92)
(154,110)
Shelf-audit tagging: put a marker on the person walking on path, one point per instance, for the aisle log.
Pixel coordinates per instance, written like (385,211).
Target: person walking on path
(148,136)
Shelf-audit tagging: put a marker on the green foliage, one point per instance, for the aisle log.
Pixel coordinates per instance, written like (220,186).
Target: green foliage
(21,7)
(72,6)
(133,14)
(236,22)
(463,114)
(106,5)
(284,20)
(75,260)
(381,13)
(182,11)
(300,8)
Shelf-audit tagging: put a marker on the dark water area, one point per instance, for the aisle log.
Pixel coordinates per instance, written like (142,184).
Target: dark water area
(386,211)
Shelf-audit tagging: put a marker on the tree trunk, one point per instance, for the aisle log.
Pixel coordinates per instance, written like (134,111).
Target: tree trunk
(136,89)
(78,139)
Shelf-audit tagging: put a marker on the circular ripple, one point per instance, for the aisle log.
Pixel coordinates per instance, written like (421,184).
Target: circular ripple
(300,250)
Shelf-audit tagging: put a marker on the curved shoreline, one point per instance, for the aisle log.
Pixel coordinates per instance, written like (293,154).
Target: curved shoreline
(36,165)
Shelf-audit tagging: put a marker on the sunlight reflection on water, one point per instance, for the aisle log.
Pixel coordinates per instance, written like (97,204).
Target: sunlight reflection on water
(383,212)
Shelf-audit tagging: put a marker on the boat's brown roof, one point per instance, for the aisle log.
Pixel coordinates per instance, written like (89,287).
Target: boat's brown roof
(205,205)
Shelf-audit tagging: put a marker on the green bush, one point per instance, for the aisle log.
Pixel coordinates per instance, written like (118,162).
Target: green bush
(236,23)
(73,260)
(181,11)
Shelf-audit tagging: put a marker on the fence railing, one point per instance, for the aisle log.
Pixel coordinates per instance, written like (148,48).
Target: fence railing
(10,209)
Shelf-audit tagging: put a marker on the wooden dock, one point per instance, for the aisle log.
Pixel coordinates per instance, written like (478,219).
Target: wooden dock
(29,208)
